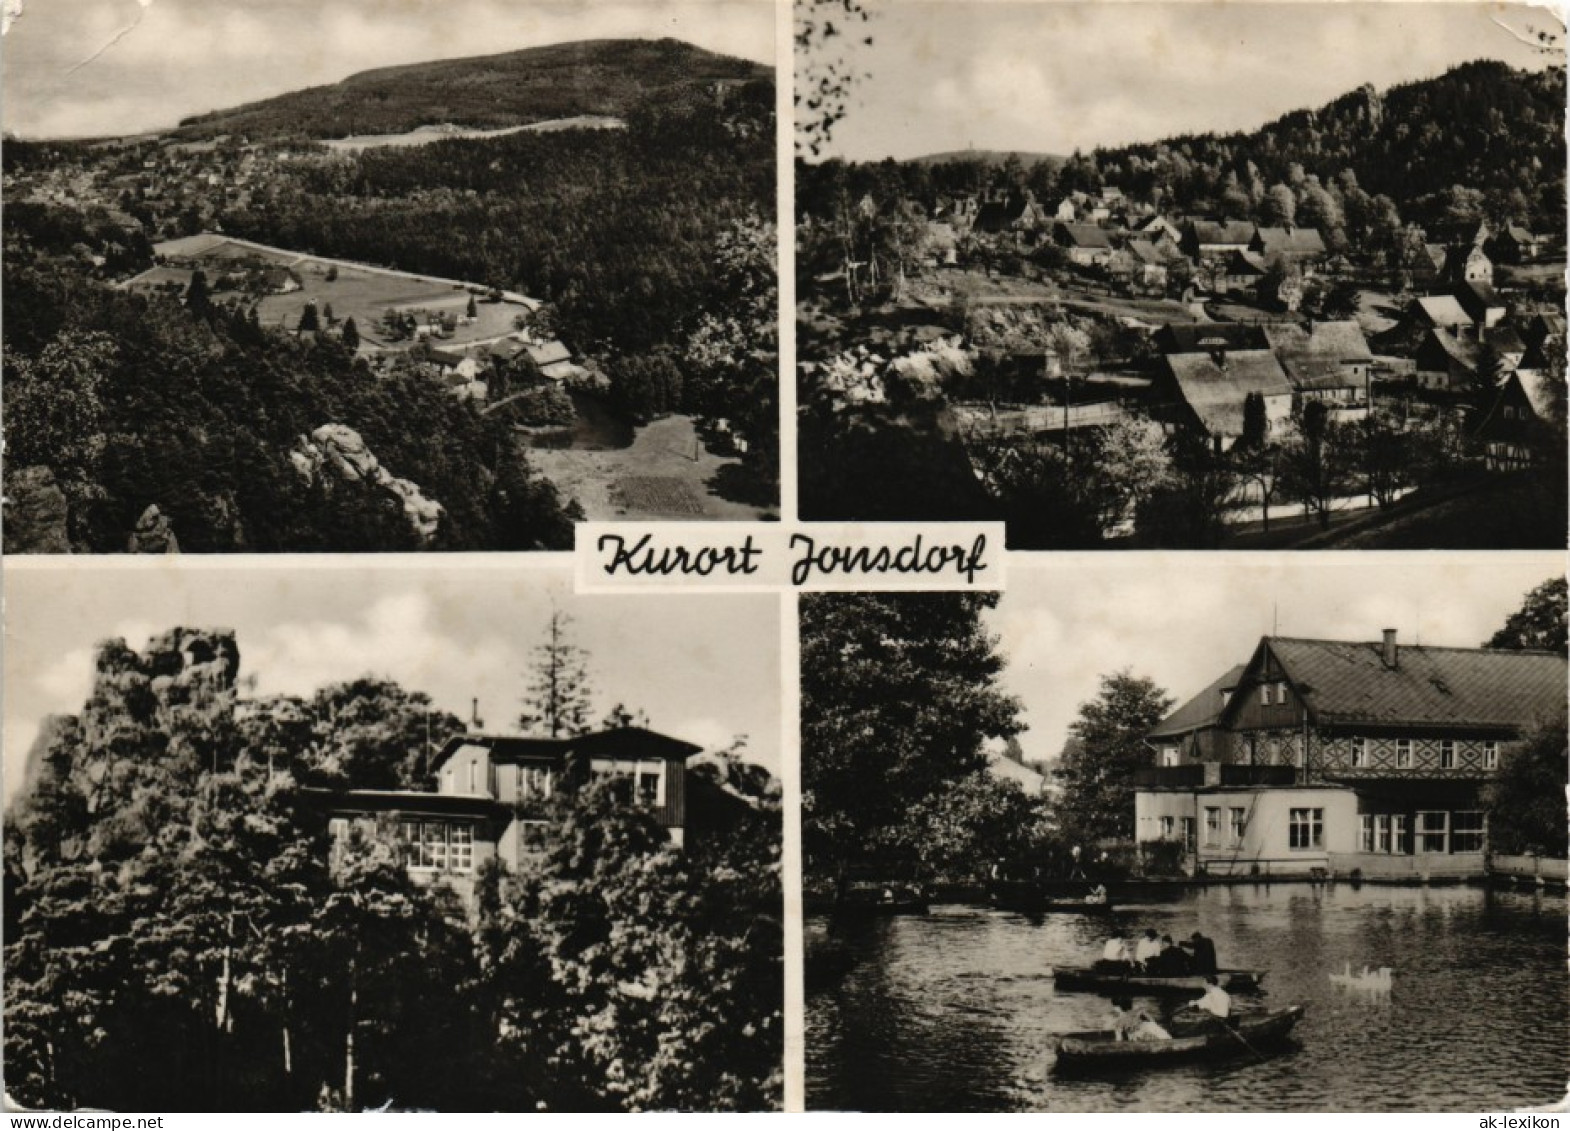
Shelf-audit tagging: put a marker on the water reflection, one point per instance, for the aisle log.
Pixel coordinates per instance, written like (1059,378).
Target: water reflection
(954,1011)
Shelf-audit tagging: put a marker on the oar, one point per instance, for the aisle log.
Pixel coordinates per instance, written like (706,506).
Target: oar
(1231,1029)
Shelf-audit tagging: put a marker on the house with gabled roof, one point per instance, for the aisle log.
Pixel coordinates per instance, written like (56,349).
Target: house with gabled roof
(1447,360)
(1328,362)
(1242,272)
(1302,246)
(1348,757)
(1514,244)
(1086,244)
(1517,424)
(1438,311)
(1467,263)
(1208,390)
(1481,302)
(491,789)
(1215,239)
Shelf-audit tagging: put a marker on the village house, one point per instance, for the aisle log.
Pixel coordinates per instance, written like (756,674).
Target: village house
(1441,312)
(1086,244)
(1157,226)
(1241,273)
(1302,246)
(1428,265)
(1512,432)
(1514,244)
(492,789)
(1344,757)
(1448,360)
(1141,264)
(1328,362)
(1467,263)
(1208,389)
(1209,239)
(1014,213)
(1481,302)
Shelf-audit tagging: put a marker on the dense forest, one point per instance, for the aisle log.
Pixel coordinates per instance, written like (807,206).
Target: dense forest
(119,402)
(1481,141)
(179,937)
(604,77)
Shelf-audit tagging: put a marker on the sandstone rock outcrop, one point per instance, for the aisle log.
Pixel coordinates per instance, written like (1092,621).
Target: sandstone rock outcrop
(340,451)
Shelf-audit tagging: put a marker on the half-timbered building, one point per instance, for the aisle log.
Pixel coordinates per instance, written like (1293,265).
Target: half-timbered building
(1341,757)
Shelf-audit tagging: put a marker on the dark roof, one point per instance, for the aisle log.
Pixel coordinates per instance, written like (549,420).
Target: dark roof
(620,742)
(1343,682)
(1216,387)
(1245,263)
(1146,252)
(1184,337)
(1541,327)
(1234,232)
(1081,235)
(1505,340)
(1315,357)
(404,801)
(1292,242)
(1477,298)
(1202,710)
(1441,347)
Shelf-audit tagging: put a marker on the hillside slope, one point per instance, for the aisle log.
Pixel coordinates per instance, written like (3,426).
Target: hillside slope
(606,77)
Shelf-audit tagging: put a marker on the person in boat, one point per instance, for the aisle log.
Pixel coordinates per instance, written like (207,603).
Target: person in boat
(1172,962)
(1147,1029)
(1148,948)
(1123,1020)
(1098,894)
(1115,956)
(1204,954)
(1215,1000)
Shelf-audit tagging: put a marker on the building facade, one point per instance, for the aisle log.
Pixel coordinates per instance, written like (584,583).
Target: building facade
(1340,757)
(492,788)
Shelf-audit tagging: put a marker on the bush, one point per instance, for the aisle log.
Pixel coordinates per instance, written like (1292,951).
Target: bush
(543,407)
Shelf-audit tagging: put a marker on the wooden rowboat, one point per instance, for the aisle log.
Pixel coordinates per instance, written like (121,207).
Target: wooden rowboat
(1252,1034)
(1031,904)
(1092,980)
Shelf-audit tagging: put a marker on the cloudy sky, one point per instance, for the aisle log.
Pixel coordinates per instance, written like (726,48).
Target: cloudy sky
(1184,619)
(1049,76)
(704,668)
(156,61)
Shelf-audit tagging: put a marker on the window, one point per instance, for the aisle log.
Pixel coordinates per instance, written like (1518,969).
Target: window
(461,845)
(437,846)
(1281,692)
(1399,845)
(1466,831)
(1432,831)
(1403,753)
(1359,753)
(1168,826)
(1169,755)
(534,782)
(1305,828)
(648,787)
(1382,832)
(1186,826)
(1447,754)
(1490,755)
(1236,818)
(473,768)
(1264,694)
(1212,825)
(1365,841)
(647,778)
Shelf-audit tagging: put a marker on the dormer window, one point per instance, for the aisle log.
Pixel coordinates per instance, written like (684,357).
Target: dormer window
(1447,754)
(1490,755)
(1403,753)
(1264,694)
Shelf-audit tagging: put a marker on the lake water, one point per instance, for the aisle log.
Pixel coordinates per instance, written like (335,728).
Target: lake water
(955,1010)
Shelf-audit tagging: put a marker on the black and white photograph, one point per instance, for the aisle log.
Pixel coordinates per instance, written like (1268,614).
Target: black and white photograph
(407,839)
(1291,839)
(1187,276)
(363,275)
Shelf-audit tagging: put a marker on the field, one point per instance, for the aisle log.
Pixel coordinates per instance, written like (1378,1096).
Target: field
(357,291)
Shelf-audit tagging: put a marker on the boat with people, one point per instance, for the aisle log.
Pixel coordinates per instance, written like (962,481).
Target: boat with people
(1248,1034)
(1101,979)
(1037,899)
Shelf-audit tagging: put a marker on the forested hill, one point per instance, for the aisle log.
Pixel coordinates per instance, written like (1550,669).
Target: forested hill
(608,77)
(1483,126)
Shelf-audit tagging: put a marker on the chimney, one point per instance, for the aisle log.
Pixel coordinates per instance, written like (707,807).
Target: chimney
(476,724)
(1392,654)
